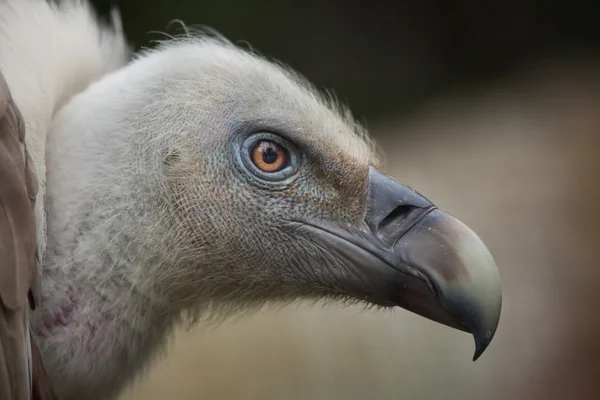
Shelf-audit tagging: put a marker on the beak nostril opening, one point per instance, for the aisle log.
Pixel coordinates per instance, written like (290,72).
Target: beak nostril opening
(399,221)
(398,215)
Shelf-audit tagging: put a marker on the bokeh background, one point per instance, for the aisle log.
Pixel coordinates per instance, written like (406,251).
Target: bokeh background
(492,110)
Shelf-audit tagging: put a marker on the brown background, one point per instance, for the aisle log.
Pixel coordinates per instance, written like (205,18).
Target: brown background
(494,114)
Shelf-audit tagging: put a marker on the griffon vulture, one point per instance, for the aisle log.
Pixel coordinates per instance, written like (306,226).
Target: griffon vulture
(195,180)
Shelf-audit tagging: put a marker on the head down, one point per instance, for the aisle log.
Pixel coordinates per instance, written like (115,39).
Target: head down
(250,186)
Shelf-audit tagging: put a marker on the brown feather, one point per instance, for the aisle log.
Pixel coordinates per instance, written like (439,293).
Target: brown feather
(42,387)
(18,264)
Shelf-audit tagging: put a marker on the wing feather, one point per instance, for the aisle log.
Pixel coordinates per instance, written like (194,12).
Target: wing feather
(21,371)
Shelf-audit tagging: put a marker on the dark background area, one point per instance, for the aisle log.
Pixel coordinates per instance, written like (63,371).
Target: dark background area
(383,56)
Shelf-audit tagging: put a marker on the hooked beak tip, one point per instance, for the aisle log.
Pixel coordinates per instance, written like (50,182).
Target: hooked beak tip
(462,270)
(482,341)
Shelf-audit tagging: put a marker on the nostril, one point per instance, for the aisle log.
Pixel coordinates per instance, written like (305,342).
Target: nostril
(399,221)
(396,217)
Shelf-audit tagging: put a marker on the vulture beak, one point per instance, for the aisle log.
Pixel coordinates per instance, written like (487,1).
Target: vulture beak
(407,253)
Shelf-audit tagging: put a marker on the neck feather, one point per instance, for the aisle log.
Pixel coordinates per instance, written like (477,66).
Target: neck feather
(100,319)
(97,327)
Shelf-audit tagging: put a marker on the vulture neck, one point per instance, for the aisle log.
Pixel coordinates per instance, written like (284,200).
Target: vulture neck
(101,318)
(100,321)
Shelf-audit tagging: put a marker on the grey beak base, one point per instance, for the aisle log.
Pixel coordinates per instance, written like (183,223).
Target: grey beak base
(429,244)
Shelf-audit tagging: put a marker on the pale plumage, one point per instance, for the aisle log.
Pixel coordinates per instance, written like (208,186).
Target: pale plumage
(151,209)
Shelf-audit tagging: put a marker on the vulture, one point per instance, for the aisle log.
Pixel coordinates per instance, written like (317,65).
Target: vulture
(187,183)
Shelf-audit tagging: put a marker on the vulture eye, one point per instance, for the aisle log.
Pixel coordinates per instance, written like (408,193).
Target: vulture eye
(269,156)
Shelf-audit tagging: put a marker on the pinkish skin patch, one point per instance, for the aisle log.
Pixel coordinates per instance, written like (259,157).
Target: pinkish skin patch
(55,320)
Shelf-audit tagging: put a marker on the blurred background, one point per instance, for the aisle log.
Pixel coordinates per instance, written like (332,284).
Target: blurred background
(492,110)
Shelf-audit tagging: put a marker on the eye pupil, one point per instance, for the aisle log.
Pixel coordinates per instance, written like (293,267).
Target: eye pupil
(269,155)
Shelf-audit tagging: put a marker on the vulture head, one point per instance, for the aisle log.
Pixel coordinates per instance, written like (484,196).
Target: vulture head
(201,179)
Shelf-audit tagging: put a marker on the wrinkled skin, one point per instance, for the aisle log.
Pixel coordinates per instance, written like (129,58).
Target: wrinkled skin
(252,251)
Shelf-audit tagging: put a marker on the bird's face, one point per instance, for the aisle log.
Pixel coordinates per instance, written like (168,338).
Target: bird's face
(276,194)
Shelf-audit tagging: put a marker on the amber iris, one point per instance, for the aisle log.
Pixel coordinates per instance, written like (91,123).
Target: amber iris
(269,156)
